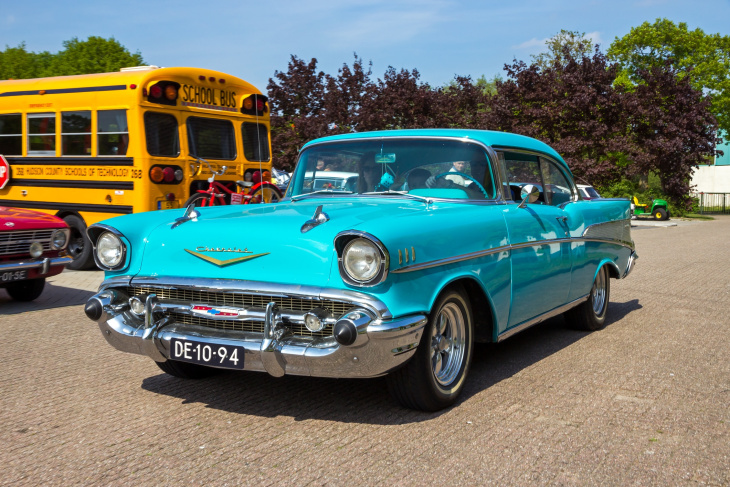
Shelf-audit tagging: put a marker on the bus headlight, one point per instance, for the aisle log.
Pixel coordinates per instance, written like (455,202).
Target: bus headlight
(109,250)
(59,239)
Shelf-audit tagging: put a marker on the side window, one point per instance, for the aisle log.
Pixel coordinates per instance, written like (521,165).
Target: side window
(558,189)
(11,134)
(521,170)
(211,138)
(76,133)
(113,133)
(41,134)
(161,134)
(255,142)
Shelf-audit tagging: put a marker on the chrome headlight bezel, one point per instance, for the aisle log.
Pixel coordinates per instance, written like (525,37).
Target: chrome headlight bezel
(346,242)
(56,244)
(114,239)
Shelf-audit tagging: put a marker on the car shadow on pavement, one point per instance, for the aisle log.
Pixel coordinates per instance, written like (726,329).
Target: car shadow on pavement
(52,297)
(367,401)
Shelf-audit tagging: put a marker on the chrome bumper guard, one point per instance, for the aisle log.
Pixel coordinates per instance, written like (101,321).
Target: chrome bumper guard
(43,264)
(379,346)
(631,263)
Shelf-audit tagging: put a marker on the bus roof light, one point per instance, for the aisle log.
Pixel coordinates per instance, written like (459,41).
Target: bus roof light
(201,77)
(212,78)
(221,80)
(155,91)
(170,92)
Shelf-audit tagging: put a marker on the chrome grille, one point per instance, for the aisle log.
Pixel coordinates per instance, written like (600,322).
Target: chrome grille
(250,326)
(13,243)
(241,300)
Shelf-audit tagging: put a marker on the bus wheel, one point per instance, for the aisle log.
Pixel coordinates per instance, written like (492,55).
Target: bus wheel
(79,245)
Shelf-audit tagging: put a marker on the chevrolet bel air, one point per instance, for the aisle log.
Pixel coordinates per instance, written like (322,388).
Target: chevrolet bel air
(449,237)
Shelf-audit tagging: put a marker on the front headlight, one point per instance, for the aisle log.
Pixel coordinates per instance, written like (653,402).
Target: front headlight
(109,250)
(58,239)
(361,260)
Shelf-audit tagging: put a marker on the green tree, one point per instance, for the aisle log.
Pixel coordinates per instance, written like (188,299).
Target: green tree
(705,58)
(94,55)
(566,42)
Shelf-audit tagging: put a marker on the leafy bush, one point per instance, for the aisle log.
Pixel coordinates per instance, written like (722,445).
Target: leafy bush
(646,193)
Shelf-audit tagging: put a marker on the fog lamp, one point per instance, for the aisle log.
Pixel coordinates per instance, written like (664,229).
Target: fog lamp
(136,305)
(36,249)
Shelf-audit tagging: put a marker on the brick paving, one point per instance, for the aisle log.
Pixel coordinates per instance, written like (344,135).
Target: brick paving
(646,401)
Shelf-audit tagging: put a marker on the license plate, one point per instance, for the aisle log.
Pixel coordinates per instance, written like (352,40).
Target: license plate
(166,205)
(13,276)
(223,356)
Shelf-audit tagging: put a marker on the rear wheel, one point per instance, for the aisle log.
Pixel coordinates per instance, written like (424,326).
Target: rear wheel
(184,370)
(661,214)
(201,199)
(591,314)
(435,376)
(79,245)
(26,290)
(265,194)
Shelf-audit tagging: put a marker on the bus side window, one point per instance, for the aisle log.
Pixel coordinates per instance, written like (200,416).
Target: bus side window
(161,134)
(76,133)
(41,134)
(113,133)
(11,134)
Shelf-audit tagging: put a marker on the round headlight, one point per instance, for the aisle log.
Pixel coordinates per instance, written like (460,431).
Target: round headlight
(58,239)
(361,259)
(36,249)
(109,250)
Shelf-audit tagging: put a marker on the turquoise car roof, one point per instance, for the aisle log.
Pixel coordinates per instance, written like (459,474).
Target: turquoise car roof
(498,140)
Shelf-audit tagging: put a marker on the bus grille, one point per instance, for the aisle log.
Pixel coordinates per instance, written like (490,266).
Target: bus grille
(13,243)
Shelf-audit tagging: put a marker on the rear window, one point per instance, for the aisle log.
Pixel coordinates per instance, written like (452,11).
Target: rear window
(210,138)
(255,142)
(161,134)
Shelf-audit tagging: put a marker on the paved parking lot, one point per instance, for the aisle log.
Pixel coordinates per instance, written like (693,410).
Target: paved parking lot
(646,401)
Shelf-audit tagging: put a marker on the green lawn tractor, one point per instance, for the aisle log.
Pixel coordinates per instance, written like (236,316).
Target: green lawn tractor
(657,210)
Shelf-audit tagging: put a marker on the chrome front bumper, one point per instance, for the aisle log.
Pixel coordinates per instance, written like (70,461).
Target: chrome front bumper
(43,265)
(380,345)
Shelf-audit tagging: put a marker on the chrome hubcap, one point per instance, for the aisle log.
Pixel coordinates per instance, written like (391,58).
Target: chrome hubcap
(599,293)
(447,344)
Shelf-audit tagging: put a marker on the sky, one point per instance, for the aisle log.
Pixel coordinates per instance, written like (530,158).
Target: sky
(254,39)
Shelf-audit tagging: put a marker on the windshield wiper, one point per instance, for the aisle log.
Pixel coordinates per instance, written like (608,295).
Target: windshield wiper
(321,191)
(402,193)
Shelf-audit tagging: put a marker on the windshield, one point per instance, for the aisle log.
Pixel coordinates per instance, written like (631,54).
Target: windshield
(424,167)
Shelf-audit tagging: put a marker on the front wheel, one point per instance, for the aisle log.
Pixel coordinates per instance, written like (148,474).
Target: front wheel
(79,245)
(26,290)
(435,375)
(265,194)
(201,199)
(591,314)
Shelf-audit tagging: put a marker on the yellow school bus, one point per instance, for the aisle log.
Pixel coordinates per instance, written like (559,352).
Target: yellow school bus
(89,147)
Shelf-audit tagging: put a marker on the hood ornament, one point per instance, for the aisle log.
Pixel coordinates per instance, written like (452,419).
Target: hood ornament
(318,218)
(220,262)
(190,214)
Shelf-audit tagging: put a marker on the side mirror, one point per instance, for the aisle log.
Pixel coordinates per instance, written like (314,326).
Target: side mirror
(529,194)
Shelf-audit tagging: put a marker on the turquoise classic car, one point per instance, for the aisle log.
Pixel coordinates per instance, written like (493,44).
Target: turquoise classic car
(449,237)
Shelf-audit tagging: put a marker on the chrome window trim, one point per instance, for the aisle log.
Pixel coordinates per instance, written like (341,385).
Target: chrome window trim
(575,194)
(491,156)
(255,287)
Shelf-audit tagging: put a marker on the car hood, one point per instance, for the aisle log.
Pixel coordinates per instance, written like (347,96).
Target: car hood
(12,219)
(266,242)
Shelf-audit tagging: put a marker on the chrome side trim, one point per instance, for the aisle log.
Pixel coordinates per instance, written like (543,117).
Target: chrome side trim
(539,319)
(482,253)
(256,287)
(630,265)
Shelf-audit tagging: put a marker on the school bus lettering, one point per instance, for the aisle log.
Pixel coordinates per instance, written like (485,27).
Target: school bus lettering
(113,172)
(53,171)
(35,171)
(75,171)
(208,96)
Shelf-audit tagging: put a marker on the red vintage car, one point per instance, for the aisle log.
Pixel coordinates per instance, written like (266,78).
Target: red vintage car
(32,248)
